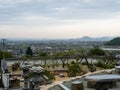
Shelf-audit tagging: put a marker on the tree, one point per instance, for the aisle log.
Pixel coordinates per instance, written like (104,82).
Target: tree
(44,56)
(62,56)
(83,55)
(29,52)
(108,59)
(55,58)
(114,42)
(96,52)
(77,55)
(74,69)
(7,55)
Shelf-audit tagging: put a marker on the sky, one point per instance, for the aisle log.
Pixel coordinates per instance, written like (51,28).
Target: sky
(59,18)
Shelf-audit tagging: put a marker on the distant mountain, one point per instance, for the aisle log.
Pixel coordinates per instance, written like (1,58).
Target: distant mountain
(87,38)
(114,42)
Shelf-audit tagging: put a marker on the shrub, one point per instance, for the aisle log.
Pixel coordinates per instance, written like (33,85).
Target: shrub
(49,75)
(15,66)
(100,64)
(74,69)
(103,65)
(84,63)
(110,66)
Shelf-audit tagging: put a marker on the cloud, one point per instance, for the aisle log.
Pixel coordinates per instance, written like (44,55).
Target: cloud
(13,1)
(60,9)
(45,1)
(56,18)
(88,1)
(64,29)
(34,20)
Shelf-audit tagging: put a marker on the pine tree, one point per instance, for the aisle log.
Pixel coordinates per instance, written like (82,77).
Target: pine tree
(29,52)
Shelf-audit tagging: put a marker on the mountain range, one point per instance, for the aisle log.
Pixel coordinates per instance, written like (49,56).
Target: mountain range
(87,38)
(84,38)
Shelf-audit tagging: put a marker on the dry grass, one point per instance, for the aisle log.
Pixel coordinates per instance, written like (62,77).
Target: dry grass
(57,77)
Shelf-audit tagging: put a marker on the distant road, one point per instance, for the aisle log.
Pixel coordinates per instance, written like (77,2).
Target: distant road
(111,49)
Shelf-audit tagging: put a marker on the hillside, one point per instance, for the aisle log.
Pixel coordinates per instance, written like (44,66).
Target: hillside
(114,42)
(87,38)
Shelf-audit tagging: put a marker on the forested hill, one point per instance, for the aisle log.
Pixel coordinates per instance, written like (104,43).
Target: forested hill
(114,42)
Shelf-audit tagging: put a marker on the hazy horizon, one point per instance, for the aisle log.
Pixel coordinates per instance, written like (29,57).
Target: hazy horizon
(59,19)
(83,37)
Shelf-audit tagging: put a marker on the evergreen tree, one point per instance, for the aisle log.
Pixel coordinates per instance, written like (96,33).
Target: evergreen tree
(29,52)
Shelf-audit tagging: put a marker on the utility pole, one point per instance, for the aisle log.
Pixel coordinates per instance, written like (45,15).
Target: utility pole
(3,44)
(5,73)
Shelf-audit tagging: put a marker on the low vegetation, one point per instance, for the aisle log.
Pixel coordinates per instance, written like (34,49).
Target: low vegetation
(74,69)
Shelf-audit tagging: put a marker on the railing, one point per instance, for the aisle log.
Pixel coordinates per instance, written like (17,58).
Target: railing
(63,87)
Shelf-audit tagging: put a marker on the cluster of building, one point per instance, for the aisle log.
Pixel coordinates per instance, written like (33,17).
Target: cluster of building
(18,48)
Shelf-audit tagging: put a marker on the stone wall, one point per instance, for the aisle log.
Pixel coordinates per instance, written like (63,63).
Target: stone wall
(68,82)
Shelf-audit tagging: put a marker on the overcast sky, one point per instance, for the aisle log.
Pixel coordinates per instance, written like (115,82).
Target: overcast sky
(59,18)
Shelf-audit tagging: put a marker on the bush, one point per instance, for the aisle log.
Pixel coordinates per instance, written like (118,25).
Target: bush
(74,69)
(103,65)
(110,66)
(49,75)
(100,64)
(84,63)
(15,66)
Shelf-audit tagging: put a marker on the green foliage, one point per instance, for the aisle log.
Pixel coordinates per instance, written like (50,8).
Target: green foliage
(114,42)
(46,73)
(49,75)
(96,52)
(29,52)
(63,56)
(103,65)
(100,64)
(24,57)
(15,66)
(7,55)
(110,66)
(84,63)
(43,54)
(74,69)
